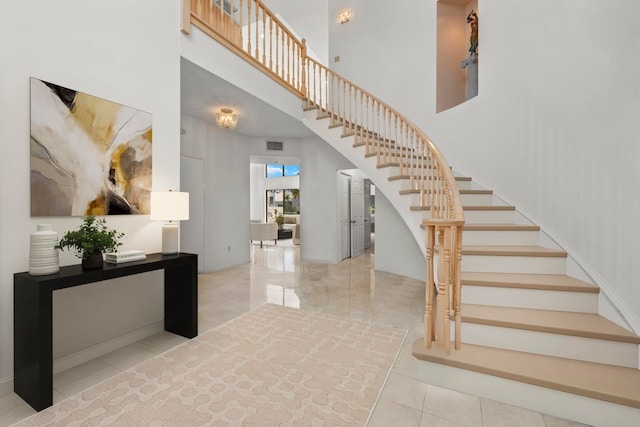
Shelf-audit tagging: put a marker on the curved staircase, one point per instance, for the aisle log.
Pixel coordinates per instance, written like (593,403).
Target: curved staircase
(521,316)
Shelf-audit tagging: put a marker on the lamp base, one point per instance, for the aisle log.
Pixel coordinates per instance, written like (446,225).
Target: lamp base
(170,239)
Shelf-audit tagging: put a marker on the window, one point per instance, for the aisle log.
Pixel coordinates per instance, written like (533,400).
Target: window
(282,202)
(291,170)
(274,170)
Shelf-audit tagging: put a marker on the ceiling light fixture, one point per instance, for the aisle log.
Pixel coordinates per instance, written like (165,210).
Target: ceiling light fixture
(344,16)
(226,119)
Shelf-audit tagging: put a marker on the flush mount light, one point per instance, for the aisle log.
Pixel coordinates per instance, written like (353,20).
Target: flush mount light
(226,118)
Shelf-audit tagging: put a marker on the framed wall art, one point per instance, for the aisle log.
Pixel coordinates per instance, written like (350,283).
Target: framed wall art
(89,156)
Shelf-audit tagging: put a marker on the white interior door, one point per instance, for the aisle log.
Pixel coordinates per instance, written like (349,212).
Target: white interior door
(357,216)
(192,231)
(345,226)
(367,213)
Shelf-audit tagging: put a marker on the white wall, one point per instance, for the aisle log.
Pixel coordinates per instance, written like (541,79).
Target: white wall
(257,197)
(226,195)
(374,48)
(114,51)
(553,127)
(396,249)
(308,19)
(319,200)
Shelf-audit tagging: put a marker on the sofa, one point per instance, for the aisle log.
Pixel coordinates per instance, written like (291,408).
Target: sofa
(263,231)
(292,222)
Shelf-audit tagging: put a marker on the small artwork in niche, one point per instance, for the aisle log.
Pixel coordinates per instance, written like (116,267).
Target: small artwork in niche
(89,156)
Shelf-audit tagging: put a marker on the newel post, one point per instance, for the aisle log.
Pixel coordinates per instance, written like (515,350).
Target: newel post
(185,22)
(303,57)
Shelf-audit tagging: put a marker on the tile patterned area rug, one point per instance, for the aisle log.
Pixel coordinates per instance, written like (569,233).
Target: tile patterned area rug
(274,366)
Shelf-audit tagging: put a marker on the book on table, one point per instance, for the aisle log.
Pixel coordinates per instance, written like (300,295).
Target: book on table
(125,256)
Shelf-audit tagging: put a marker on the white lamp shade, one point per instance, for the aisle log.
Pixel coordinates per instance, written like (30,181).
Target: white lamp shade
(169,205)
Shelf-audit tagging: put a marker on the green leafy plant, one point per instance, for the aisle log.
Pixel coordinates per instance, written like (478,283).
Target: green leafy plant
(92,236)
(280,220)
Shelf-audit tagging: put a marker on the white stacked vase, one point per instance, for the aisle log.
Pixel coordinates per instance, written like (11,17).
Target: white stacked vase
(43,255)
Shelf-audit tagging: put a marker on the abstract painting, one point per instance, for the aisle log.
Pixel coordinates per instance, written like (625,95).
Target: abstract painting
(89,156)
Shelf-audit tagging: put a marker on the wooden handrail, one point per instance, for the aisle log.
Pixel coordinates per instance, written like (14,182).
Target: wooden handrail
(354,122)
(252,31)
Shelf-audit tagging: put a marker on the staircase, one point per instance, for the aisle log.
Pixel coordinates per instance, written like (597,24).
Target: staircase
(521,317)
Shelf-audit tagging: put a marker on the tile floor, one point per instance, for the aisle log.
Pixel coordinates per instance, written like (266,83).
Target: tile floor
(351,289)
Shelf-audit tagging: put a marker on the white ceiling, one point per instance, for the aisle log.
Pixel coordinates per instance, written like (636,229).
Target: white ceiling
(202,94)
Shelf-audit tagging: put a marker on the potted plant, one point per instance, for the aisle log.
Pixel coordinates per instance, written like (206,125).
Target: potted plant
(90,241)
(280,220)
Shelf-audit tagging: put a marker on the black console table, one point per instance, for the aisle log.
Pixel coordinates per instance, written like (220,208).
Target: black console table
(32,321)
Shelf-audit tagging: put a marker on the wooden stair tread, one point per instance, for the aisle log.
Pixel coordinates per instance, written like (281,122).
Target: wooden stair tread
(397,164)
(588,325)
(476,191)
(415,191)
(500,227)
(595,380)
(386,143)
(471,208)
(489,226)
(551,282)
(457,178)
(489,208)
(402,155)
(512,251)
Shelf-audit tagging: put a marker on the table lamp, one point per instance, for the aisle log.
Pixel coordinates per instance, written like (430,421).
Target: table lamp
(170,206)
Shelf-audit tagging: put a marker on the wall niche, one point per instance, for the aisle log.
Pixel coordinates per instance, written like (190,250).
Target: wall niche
(457,53)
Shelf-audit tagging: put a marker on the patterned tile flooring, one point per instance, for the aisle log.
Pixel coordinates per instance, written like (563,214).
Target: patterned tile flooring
(352,289)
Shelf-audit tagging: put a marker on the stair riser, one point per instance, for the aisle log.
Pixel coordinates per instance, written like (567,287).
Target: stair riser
(558,345)
(579,302)
(476,199)
(514,264)
(489,217)
(500,238)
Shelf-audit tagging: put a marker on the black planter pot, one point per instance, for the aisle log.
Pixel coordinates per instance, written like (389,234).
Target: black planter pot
(92,260)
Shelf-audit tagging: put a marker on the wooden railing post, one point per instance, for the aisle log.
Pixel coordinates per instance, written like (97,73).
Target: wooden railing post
(429,313)
(457,286)
(303,79)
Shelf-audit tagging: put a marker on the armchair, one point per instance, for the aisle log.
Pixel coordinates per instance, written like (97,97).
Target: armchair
(263,231)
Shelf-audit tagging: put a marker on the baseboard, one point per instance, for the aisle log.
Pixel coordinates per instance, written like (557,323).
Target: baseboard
(224,266)
(82,356)
(6,386)
(77,358)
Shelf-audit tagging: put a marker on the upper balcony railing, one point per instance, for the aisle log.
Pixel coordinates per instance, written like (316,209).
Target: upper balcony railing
(252,31)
